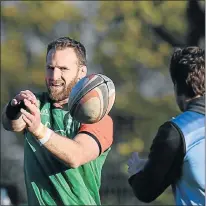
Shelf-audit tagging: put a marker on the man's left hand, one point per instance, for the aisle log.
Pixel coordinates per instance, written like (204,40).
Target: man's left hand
(135,163)
(32,118)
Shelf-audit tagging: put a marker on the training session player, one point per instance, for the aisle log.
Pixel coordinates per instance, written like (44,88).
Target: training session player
(177,154)
(63,158)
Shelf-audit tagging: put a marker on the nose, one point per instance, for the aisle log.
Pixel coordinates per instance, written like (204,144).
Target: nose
(56,74)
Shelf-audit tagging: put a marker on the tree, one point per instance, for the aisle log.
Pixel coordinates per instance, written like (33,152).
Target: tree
(27,27)
(133,42)
(136,38)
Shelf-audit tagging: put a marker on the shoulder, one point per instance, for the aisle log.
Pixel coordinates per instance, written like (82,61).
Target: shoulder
(105,124)
(106,120)
(169,135)
(102,131)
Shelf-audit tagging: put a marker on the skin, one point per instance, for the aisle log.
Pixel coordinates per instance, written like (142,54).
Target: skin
(62,69)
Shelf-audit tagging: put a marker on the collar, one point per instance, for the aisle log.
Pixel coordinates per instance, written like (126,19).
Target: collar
(197,105)
(55,105)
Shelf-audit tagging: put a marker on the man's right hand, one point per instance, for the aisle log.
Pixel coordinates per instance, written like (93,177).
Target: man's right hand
(24,95)
(11,116)
(13,108)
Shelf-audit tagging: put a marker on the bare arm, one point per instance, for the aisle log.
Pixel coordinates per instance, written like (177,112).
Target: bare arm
(88,144)
(73,152)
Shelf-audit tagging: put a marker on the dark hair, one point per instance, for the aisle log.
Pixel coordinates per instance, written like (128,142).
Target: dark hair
(66,42)
(187,70)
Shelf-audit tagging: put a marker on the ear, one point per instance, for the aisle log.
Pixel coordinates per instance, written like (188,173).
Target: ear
(82,72)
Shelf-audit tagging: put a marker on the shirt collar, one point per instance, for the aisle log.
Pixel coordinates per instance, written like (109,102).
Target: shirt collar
(197,105)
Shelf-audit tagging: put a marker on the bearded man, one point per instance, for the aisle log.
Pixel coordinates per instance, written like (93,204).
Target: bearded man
(63,158)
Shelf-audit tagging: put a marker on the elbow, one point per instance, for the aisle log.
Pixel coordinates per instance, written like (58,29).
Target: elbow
(77,158)
(76,162)
(143,192)
(73,163)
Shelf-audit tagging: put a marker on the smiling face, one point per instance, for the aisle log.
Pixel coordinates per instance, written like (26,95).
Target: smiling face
(62,73)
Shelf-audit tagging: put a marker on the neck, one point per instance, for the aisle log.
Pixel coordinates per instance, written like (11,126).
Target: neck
(60,104)
(190,99)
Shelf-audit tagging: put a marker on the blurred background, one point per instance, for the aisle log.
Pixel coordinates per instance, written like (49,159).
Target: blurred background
(130,42)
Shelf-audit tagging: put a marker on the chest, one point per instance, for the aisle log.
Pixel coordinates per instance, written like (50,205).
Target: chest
(60,121)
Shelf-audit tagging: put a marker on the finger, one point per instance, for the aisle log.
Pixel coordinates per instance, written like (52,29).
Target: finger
(27,96)
(135,155)
(35,102)
(18,98)
(131,172)
(31,94)
(32,98)
(27,114)
(28,122)
(130,162)
(32,108)
(14,102)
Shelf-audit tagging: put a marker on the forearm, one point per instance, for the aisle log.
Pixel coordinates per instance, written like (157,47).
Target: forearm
(67,150)
(15,125)
(143,187)
(163,165)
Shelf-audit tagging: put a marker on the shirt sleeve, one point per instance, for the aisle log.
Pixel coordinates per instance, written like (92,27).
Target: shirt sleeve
(164,164)
(101,132)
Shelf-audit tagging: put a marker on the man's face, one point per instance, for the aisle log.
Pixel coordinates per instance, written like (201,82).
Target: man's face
(62,72)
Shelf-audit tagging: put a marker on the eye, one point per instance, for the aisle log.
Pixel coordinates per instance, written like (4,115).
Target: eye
(64,68)
(50,67)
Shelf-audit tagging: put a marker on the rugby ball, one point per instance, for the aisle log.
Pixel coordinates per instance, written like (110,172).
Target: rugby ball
(91,98)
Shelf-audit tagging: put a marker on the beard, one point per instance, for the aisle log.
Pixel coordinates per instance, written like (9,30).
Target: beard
(62,92)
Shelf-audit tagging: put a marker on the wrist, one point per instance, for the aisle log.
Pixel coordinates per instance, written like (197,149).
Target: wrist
(12,112)
(42,134)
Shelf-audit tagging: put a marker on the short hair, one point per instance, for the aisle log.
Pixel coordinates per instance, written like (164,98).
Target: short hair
(66,42)
(187,70)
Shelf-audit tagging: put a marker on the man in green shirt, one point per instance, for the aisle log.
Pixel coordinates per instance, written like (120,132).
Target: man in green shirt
(63,158)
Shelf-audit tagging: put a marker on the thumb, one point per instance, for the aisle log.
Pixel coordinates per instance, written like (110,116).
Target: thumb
(14,102)
(135,155)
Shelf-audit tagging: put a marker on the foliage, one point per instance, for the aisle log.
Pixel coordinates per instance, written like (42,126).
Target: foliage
(23,23)
(134,40)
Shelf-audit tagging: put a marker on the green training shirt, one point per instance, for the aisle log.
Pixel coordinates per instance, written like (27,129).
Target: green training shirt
(48,180)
